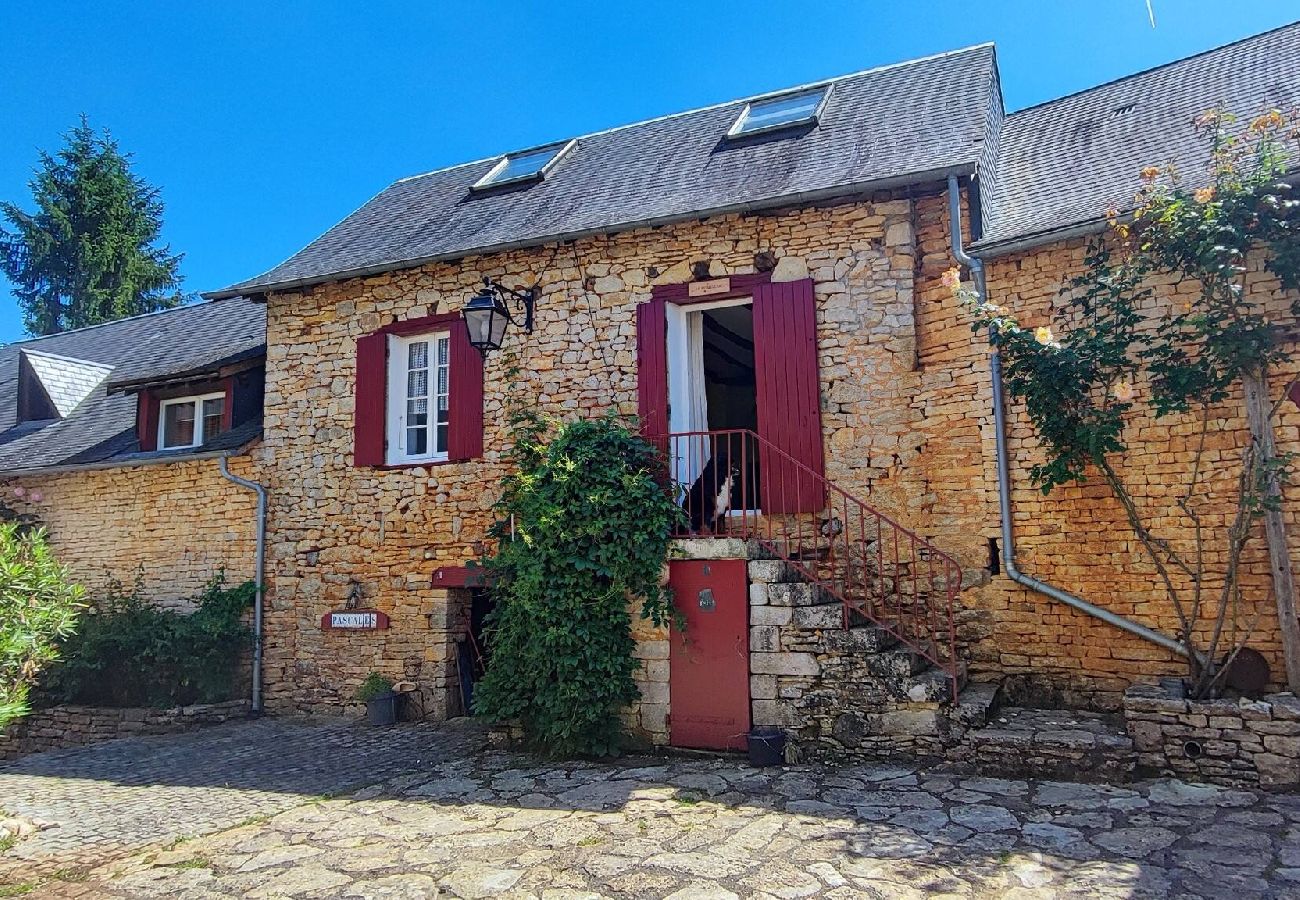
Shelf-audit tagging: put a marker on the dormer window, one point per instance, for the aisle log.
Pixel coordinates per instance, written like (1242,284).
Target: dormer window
(526,165)
(784,111)
(191,421)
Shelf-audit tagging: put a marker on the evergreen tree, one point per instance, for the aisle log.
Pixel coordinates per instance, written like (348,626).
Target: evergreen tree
(89,253)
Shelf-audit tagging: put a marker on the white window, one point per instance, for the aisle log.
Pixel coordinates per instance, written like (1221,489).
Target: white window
(524,165)
(780,112)
(190,421)
(419,374)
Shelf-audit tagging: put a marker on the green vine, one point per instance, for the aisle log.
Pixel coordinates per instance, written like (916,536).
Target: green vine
(582,530)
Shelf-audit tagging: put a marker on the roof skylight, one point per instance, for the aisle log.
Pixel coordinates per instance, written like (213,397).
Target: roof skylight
(524,166)
(780,112)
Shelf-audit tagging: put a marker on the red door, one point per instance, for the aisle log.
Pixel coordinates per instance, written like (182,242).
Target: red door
(708,680)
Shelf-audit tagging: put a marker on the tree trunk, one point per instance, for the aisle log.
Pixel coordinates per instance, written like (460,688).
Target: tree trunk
(1258,408)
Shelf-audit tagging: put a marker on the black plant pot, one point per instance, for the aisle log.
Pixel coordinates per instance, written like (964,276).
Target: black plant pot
(382,710)
(766,746)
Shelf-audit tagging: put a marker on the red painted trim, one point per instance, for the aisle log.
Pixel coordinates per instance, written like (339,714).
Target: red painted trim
(381,620)
(1294,393)
(789,395)
(741,286)
(652,370)
(146,420)
(369,421)
(465,400)
(459,577)
(421,325)
(228,407)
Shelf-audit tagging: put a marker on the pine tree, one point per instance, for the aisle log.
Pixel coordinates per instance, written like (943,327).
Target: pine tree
(89,254)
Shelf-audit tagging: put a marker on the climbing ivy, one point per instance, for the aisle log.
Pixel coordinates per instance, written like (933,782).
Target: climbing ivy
(582,531)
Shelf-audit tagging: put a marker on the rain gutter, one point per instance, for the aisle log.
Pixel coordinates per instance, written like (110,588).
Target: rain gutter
(1003,467)
(258,566)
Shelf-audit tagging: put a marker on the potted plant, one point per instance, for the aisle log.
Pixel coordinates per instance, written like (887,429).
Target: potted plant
(376,692)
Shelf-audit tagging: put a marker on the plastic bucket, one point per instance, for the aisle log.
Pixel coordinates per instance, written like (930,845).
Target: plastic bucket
(766,746)
(382,710)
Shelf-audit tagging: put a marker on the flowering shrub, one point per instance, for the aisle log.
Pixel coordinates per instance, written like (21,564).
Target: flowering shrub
(1082,381)
(39,605)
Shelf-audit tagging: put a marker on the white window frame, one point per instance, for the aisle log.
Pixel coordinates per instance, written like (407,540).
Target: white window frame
(815,116)
(195,400)
(493,177)
(395,452)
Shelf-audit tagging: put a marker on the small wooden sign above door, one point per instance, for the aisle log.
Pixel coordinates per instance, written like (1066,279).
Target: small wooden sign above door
(354,620)
(709,288)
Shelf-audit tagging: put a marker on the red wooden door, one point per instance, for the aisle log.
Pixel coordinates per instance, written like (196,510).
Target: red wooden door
(708,681)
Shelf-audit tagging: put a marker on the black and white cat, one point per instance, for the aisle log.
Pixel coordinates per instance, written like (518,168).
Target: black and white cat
(709,499)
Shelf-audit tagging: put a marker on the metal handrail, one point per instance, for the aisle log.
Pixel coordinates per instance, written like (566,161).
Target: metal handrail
(873,566)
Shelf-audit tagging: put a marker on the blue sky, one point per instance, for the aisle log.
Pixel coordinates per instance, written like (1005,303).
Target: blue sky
(265,123)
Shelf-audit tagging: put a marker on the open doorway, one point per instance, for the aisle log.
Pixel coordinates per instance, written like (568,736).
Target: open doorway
(730,385)
(713,387)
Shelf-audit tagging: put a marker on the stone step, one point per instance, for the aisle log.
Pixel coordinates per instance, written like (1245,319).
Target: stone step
(974,704)
(1052,743)
(931,684)
(860,638)
(899,662)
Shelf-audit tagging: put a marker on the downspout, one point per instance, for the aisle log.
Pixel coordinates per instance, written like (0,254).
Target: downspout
(258,565)
(1004,477)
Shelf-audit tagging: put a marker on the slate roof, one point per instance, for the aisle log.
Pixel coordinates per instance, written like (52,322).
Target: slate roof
(1064,163)
(101,428)
(887,125)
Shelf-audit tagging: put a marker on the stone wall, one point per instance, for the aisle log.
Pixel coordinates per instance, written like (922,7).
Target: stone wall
(75,726)
(1077,537)
(1254,743)
(174,525)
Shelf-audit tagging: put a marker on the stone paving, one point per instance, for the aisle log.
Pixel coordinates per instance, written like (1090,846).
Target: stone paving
(472,822)
(111,799)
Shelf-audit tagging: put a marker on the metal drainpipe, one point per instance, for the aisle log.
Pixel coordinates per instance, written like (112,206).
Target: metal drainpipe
(258,565)
(1004,477)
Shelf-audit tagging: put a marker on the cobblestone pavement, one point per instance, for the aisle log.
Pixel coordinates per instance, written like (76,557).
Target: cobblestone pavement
(114,798)
(476,823)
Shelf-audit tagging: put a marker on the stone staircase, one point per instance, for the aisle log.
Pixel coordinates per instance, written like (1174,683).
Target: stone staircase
(842,693)
(855,691)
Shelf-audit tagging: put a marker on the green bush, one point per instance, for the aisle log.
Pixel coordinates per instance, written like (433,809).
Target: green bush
(38,606)
(128,653)
(583,527)
(375,685)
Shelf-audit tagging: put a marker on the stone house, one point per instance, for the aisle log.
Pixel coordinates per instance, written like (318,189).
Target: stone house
(113,436)
(759,279)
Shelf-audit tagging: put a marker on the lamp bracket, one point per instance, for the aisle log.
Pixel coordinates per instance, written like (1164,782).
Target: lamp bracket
(527,300)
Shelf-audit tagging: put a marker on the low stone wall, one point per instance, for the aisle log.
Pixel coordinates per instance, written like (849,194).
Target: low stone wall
(74,726)
(1253,743)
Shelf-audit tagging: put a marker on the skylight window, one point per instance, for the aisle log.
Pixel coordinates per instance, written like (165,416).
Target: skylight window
(525,165)
(779,112)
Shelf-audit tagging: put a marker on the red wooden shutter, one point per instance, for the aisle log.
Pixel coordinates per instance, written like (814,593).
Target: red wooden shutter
(146,420)
(789,397)
(652,370)
(465,400)
(370,415)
